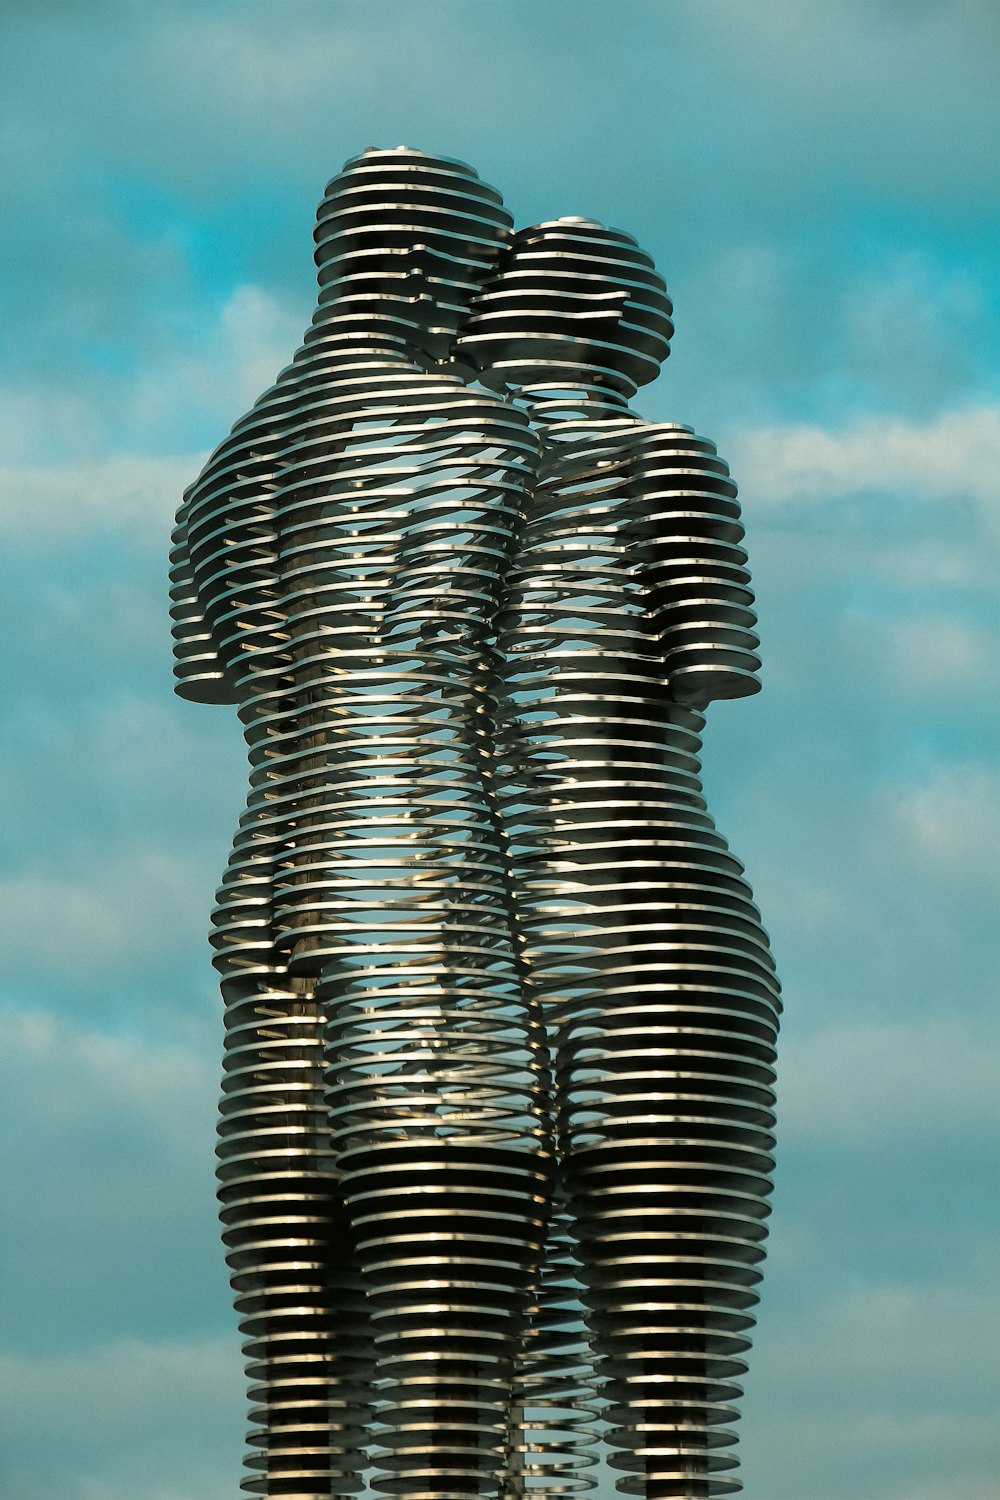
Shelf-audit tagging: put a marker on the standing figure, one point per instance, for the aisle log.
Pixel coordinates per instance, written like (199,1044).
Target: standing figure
(627,610)
(384,1164)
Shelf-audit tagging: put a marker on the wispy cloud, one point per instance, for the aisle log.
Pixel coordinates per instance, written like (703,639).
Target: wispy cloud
(880,1408)
(196,382)
(127,1420)
(947,825)
(133,492)
(954,454)
(928,1078)
(127,910)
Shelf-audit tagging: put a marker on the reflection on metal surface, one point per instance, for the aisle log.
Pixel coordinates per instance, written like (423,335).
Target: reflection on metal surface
(500,1013)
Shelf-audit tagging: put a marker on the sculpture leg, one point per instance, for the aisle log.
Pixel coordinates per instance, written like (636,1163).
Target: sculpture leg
(308,1342)
(394,901)
(448,1226)
(648,953)
(552,1442)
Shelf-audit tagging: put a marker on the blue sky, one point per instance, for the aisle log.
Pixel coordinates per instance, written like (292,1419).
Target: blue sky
(818,185)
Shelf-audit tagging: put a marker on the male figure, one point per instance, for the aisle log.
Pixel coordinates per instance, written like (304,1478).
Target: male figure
(626,611)
(337,570)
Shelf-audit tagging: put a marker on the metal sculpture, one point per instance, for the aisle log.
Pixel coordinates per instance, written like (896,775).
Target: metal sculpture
(500,1014)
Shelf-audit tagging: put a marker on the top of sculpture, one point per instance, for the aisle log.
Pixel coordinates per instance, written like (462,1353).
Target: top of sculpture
(404,241)
(573,301)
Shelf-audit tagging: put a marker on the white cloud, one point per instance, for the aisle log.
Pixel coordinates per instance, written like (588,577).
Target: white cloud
(912,329)
(42,416)
(882,1331)
(893,96)
(963,1487)
(109,1133)
(920,662)
(870,1389)
(127,912)
(200,380)
(64,1075)
(127,492)
(128,1420)
(948,826)
(124,1382)
(882,1082)
(931,564)
(939,654)
(170,752)
(956,453)
(236,358)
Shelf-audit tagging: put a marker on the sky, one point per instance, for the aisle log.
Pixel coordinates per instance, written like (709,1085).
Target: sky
(818,185)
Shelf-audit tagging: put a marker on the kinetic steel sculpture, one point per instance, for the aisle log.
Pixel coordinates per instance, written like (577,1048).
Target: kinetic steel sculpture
(500,1013)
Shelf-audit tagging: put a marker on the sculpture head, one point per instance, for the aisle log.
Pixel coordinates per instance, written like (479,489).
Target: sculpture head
(572,301)
(404,240)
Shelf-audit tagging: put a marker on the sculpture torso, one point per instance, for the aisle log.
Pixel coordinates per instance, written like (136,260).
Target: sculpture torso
(349,540)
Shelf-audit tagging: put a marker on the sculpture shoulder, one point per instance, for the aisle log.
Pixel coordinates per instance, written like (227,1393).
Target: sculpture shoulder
(678,448)
(352,404)
(631,439)
(623,446)
(326,376)
(643,481)
(678,483)
(373,394)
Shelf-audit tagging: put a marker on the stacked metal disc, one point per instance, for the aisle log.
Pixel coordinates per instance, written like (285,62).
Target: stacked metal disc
(342,552)
(393,896)
(307,1338)
(460,854)
(628,607)
(554,1405)
(641,935)
(573,300)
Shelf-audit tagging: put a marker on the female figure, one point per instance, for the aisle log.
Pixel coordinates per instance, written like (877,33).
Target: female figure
(337,570)
(627,610)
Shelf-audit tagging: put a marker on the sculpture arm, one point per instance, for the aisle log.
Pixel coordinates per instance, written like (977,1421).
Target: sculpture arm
(199,675)
(223,558)
(684,538)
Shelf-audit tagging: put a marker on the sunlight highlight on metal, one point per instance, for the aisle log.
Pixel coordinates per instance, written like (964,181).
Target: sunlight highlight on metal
(500,1013)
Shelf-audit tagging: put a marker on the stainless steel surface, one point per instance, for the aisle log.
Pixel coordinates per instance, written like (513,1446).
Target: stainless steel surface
(500,1012)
